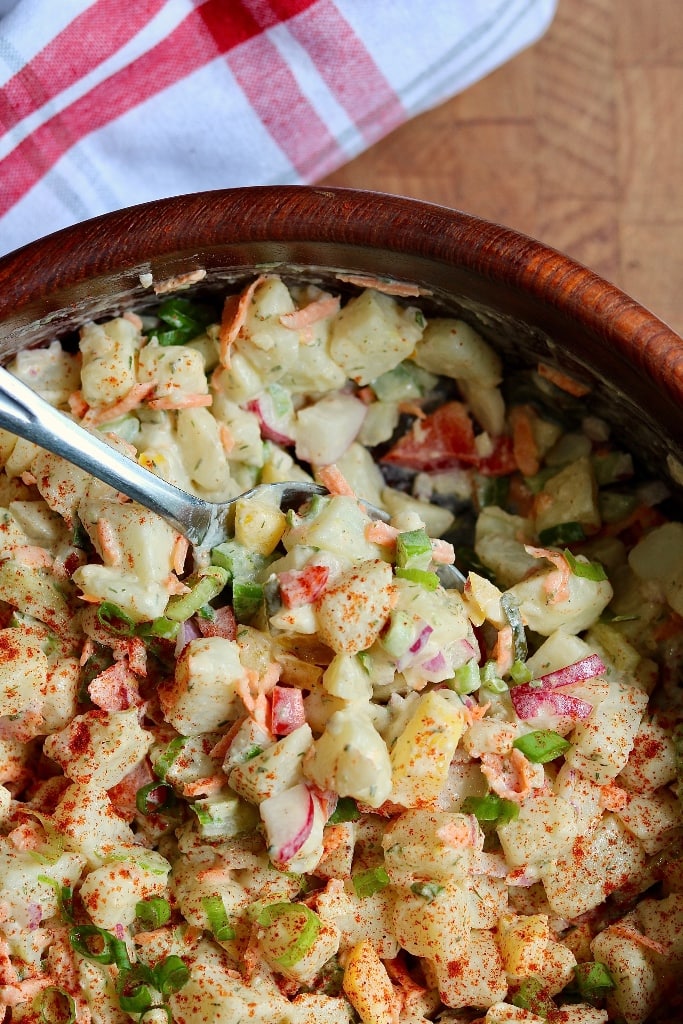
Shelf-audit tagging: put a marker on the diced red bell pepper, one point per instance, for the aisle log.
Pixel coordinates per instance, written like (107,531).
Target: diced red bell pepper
(302,586)
(442,440)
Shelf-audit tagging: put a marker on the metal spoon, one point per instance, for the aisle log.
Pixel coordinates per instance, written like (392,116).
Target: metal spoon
(204,523)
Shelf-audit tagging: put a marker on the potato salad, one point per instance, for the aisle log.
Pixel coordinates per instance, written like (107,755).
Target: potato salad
(293,779)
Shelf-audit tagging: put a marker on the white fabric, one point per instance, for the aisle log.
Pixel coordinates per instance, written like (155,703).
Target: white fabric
(105,104)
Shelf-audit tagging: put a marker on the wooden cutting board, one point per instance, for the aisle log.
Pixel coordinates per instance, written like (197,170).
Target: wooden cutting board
(577,141)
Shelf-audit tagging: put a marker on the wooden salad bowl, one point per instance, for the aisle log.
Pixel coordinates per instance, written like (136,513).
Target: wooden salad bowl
(533,303)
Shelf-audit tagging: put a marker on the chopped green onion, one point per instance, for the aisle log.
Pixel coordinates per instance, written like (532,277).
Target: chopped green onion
(562,533)
(217,917)
(309,926)
(466,678)
(541,746)
(238,560)
(204,586)
(491,679)
(413,550)
(399,635)
(427,890)
(153,797)
(163,764)
(161,628)
(367,883)
(135,996)
(170,975)
(593,979)
(115,619)
(428,580)
(532,994)
(186,319)
(55,1006)
(64,894)
(586,570)
(520,673)
(154,911)
(512,613)
(365,660)
(111,951)
(247,598)
(346,810)
(490,808)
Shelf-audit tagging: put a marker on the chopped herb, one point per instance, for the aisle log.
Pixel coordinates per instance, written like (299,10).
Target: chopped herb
(427,890)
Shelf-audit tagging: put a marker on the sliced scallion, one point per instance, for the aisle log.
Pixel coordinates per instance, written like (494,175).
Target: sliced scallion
(247,598)
(428,580)
(562,533)
(163,764)
(367,883)
(542,746)
(532,994)
(153,797)
(115,620)
(99,945)
(593,979)
(346,810)
(204,586)
(586,570)
(155,911)
(490,678)
(490,808)
(302,930)
(170,975)
(216,915)
(55,1006)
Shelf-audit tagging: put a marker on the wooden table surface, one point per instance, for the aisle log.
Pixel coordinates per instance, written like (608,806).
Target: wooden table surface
(577,141)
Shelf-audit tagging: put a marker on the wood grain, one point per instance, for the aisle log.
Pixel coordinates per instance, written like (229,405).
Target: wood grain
(577,141)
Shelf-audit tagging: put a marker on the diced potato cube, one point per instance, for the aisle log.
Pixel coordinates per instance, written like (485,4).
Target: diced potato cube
(601,861)
(652,760)
(351,758)
(571,496)
(499,540)
(633,971)
(258,525)
(275,769)
(437,925)
(475,979)
(454,349)
(421,755)
(203,693)
(99,747)
(23,671)
(544,829)
(522,940)
(368,986)
(353,610)
(110,892)
(89,825)
(372,334)
(601,743)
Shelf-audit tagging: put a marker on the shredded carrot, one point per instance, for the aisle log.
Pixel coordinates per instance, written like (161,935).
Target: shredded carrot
(335,481)
(443,552)
(226,437)
(204,787)
(613,797)
(556,585)
(503,652)
(334,836)
(131,400)
(378,532)
(133,319)
(457,834)
(215,875)
(78,404)
(87,652)
(509,777)
(171,402)
(562,380)
(387,287)
(180,549)
(233,319)
(28,478)
(33,555)
(625,931)
(146,938)
(524,446)
(254,688)
(475,712)
(111,550)
(412,409)
(175,586)
(221,748)
(172,284)
(311,314)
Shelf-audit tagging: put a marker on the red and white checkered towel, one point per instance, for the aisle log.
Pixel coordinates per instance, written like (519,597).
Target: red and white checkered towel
(108,103)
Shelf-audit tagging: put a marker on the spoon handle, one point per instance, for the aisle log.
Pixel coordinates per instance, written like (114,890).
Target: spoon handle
(25,413)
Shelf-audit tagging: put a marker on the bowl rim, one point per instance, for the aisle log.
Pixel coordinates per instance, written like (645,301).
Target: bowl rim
(188,227)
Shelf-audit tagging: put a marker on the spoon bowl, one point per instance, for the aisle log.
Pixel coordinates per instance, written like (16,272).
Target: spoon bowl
(205,524)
